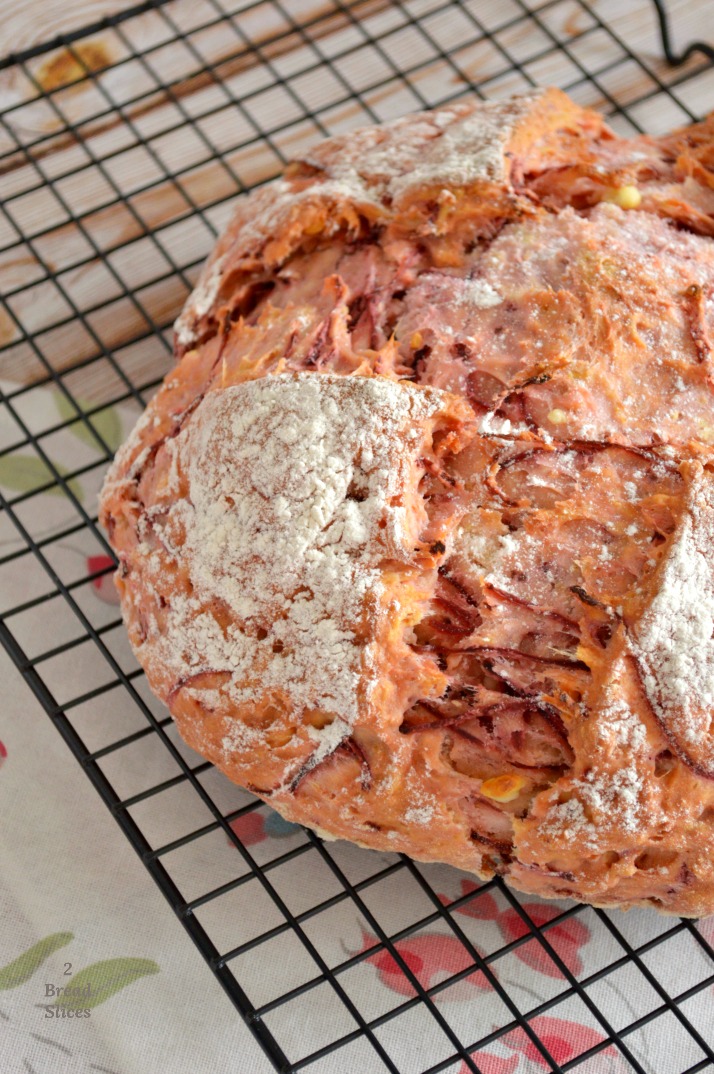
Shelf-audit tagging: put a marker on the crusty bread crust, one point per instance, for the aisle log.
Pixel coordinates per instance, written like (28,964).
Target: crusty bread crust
(416,539)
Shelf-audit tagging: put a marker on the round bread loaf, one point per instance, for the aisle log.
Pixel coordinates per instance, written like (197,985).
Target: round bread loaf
(416,539)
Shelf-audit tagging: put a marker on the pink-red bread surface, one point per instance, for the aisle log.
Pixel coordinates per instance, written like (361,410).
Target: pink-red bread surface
(416,541)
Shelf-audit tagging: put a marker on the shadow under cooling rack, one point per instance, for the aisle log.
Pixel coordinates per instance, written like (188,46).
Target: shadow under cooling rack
(122,150)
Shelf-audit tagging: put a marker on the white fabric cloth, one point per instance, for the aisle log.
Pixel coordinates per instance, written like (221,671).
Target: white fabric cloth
(67,868)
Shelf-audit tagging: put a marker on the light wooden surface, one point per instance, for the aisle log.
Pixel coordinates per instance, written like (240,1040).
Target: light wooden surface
(160,169)
(32,22)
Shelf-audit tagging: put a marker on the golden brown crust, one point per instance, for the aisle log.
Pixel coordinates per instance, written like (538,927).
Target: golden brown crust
(416,539)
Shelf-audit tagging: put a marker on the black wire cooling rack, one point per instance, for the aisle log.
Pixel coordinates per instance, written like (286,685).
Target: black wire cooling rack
(122,149)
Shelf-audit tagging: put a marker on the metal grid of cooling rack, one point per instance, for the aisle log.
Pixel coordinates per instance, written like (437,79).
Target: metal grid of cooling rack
(122,149)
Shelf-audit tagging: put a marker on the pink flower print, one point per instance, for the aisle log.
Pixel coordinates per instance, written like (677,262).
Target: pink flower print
(250,828)
(566,938)
(257,826)
(103,586)
(3,754)
(432,957)
(564,1040)
(492,1064)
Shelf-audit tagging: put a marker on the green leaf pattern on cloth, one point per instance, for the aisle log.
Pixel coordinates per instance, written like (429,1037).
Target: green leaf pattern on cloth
(23,967)
(25,473)
(106,421)
(90,986)
(97,983)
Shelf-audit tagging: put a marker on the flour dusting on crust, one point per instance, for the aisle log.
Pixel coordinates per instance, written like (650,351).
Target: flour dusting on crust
(611,791)
(297,492)
(373,169)
(674,641)
(454,147)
